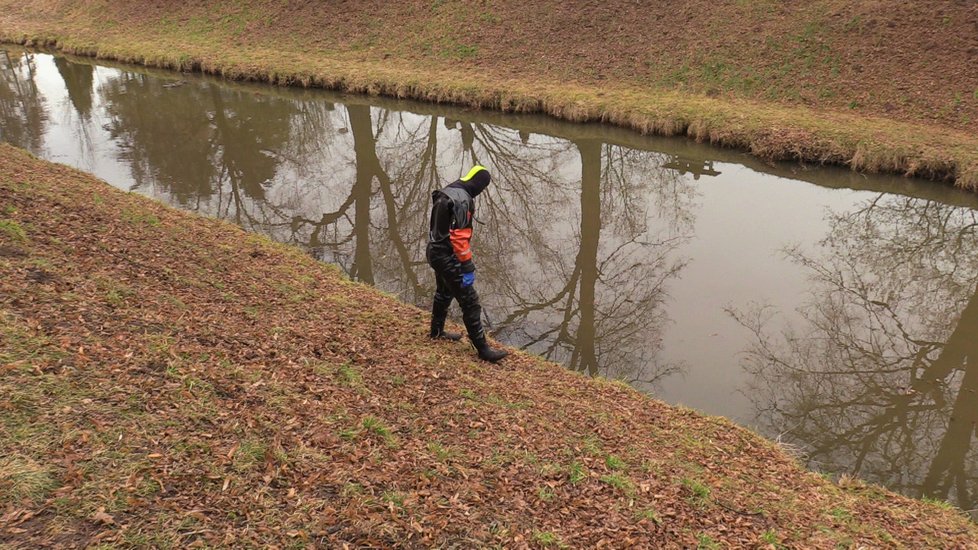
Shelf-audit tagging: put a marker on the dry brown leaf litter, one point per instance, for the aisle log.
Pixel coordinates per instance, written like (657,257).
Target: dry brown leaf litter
(174,381)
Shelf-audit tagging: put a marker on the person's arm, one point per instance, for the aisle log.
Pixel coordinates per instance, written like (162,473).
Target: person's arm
(441,217)
(462,245)
(446,221)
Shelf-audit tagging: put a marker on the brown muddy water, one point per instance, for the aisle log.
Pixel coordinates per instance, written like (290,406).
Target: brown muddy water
(834,312)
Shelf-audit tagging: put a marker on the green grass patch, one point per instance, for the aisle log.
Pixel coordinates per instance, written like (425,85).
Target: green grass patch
(576,472)
(250,453)
(442,453)
(463,51)
(620,482)
(348,375)
(489,18)
(706,542)
(289,292)
(21,343)
(175,302)
(351,489)
(853,24)
(771,538)
(140,217)
(841,515)
(115,298)
(375,426)
(21,478)
(648,514)
(116,294)
(699,492)
(515,405)
(459,51)
(394,498)
(13,230)
(940,503)
(548,539)
(615,463)
(505,457)
(591,444)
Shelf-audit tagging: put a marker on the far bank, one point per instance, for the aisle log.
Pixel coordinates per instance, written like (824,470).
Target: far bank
(778,104)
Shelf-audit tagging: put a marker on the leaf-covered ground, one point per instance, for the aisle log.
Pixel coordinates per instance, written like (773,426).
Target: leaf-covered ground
(173,381)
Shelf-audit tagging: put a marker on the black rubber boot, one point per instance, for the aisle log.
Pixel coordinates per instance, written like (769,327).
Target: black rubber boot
(487,353)
(438,331)
(445,335)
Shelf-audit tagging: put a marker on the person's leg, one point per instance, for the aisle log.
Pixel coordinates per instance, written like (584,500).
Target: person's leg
(439,309)
(468,300)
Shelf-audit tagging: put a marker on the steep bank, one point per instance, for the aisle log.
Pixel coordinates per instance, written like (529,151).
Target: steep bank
(878,86)
(167,379)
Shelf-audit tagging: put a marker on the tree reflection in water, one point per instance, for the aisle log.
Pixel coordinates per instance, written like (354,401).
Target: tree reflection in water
(591,272)
(196,142)
(23,112)
(879,380)
(78,79)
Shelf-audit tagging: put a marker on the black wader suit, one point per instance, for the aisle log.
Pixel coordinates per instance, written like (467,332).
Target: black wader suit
(449,253)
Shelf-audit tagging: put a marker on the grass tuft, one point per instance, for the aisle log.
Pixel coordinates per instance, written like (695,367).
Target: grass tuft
(770,538)
(250,454)
(706,542)
(620,482)
(13,230)
(21,478)
(441,452)
(548,539)
(349,376)
(700,493)
(648,514)
(577,472)
(373,425)
(615,463)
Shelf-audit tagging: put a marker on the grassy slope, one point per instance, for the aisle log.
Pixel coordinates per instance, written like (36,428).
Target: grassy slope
(166,379)
(878,85)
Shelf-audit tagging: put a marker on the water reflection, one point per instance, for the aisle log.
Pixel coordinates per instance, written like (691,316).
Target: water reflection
(194,141)
(22,107)
(880,380)
(611,253)
(78,79)
(591,288)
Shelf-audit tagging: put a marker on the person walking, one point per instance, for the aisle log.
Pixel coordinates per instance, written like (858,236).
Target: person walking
(449,254)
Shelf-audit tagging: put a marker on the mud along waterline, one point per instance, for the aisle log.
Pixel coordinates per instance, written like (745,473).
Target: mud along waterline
(831,310)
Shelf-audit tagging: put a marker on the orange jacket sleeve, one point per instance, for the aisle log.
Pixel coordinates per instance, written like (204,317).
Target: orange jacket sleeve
(461,239)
